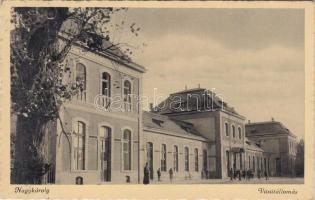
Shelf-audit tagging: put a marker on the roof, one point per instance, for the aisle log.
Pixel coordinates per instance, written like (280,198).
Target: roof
(252,145)
(99,45)
(197,99)
(267,128)
(163,124)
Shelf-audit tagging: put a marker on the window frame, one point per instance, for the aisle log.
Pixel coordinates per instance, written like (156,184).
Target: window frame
(226,129)
(186,159)
(85,149)
(239,129)
(163,160)
(123,141)
(233,131)
(108,81)
(175,158)
(84,91)
(196,159)
(129,100)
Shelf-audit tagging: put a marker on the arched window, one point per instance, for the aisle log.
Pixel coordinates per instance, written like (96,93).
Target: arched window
(106,84)
(127,149)
(163,158)
(175,154)
(205,160)
(254,167)
(186,159)
(226,127)
(249,162)
(79,137)
(239,133)
(81,79)
(127,95)
(233,131)
(106,144)
(196,160)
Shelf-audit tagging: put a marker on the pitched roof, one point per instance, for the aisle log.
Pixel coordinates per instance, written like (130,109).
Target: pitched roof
(267,128)
(99,45)
(197,99)
(252,145)
(162,123)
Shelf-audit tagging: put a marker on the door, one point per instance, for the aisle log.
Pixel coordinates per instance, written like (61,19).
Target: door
(105,139)
(278,166)
(150,158)
(228,163)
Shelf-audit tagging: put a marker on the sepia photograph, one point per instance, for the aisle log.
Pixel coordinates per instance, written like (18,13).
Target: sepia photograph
(117,95)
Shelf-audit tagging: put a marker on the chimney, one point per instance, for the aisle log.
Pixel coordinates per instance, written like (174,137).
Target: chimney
(272,119)
(185,87)
(198,85)
(248,121)
(151,107)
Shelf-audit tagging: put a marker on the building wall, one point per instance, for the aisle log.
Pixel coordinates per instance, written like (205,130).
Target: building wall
(281,154)
(254,161)
(228,142)
(94,116)
(159,138)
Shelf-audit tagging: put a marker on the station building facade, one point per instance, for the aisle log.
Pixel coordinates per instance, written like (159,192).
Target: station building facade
(106,137)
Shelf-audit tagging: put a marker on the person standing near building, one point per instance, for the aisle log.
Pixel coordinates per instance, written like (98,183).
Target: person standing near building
(266,174)
(171,174)
(146,177)
(159,174)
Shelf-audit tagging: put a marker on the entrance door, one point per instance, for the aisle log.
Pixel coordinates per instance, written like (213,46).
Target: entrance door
(228,163)
(150,158)
(105,138)
(278,166)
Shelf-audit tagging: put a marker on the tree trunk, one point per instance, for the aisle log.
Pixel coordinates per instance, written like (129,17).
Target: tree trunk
(31,156)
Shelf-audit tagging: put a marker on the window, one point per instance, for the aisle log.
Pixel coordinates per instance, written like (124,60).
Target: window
(248,162)
(105,90)
(127,149)
(175,154)
(233,131)
(205,159)
(79,146)
(239,133)
(106,84)
(127,95)
(163,158)
(254,168)
(186,159)
(226,129)
(196,160)
(81,79)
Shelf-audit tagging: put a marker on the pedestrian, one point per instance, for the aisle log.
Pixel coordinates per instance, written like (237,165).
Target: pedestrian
(248,174)
(231,174)
(171,174)
(266,174)
(239,175)
(159,174)
(202,174)
(146,177)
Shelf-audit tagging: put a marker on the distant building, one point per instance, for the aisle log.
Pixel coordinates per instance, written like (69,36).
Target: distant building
(278,143)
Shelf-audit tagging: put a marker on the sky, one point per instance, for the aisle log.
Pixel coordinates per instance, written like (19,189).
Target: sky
(254,58)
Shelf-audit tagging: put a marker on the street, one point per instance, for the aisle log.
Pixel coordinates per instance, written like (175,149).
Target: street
(271,180)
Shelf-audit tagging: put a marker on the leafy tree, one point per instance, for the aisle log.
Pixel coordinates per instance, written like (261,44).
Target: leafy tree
(299,163)
(37,71)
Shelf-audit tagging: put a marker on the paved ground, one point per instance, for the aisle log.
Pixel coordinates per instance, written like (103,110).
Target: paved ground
(271,180)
